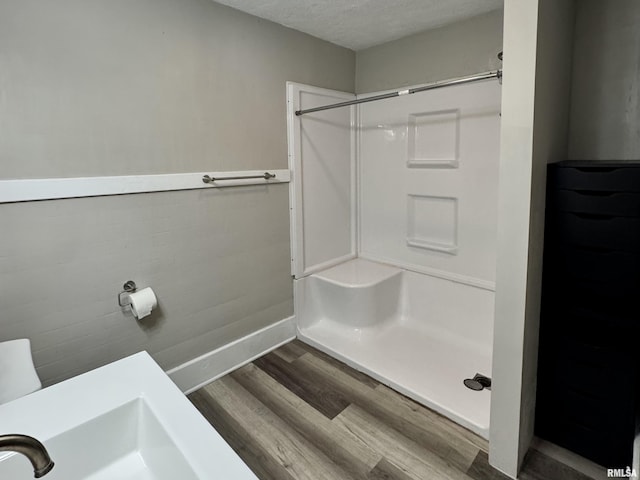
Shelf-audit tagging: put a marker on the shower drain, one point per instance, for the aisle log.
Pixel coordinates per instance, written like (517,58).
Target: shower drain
(478,382)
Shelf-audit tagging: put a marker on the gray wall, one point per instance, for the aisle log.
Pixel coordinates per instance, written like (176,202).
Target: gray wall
(114,87)
(99,87)
(605,100)
(455,50)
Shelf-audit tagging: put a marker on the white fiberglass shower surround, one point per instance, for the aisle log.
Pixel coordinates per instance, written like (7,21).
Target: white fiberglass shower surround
(393,225)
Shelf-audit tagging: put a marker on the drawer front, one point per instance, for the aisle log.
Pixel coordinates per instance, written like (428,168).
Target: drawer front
(612,381)
(623,204)
(587,350)
(596,178)
(582,408)
(600,294)
(608,449)
(610,324)
(610,233)
(595,264)
(608,377)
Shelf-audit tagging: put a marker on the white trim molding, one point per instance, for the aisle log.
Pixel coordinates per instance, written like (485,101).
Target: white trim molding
(31,189)
(200,371)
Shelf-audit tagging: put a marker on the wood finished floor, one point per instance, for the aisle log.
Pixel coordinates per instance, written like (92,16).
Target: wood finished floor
(297,414)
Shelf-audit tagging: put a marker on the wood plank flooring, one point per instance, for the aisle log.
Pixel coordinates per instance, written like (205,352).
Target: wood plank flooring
(298,414)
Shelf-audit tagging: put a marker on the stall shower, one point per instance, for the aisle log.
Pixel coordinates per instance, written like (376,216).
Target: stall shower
(393,225)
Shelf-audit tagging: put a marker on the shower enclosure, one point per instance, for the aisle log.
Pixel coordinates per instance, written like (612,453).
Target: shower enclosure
(393,229)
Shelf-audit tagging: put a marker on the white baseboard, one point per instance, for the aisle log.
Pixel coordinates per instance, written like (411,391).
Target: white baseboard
(196,373)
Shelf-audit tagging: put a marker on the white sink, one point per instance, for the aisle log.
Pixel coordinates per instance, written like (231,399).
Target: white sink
(124,421)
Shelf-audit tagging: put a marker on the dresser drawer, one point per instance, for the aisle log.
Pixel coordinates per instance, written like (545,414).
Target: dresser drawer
(604,371)
(595,264)
(605,232)
(588,348)
(611,379)
(609,448)
(623,204)
(599,177)
(593,293)
(571,332)
(595,413)
(619,323)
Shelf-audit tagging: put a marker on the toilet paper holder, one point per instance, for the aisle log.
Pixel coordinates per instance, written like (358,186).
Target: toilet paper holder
(129,287)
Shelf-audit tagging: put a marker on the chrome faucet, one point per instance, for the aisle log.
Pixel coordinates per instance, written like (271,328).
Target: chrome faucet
(30,448)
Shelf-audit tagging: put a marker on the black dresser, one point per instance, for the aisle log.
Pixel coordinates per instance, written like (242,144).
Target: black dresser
(588,363)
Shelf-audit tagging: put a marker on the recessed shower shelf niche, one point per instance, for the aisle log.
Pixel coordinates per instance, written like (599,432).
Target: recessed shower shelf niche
(433,139)
(432,223)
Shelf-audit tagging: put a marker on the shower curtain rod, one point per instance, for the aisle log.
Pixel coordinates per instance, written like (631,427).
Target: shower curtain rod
(456,81)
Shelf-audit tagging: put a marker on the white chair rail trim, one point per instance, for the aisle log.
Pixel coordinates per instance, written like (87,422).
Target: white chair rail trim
(32,189)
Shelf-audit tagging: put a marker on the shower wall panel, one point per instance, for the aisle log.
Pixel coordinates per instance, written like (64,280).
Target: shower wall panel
(428,168)
(322,188)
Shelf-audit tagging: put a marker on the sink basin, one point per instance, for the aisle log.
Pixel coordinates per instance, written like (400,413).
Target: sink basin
(127,442)
(124,421)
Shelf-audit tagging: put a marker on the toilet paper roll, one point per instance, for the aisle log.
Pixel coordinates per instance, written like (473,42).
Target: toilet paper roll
(142,302)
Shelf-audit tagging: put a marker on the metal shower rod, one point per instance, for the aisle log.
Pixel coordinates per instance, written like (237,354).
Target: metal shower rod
(456,81)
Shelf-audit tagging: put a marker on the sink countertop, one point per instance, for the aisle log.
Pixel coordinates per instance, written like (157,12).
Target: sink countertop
(71,405)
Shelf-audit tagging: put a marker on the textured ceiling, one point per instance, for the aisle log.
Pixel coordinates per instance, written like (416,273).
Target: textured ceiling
(359,24)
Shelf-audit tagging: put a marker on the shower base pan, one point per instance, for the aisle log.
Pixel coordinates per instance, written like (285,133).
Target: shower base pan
(420,335)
